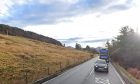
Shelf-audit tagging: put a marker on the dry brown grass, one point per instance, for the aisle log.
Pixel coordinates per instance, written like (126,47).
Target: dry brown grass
(135,72)
(128,73)
(19,56)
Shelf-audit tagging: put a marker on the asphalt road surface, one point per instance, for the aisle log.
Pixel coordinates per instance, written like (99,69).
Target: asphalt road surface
(84,74)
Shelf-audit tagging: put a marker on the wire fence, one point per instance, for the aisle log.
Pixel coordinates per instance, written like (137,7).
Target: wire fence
(27,75)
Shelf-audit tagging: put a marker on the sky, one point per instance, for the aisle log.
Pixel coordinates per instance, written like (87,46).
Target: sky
(87,22)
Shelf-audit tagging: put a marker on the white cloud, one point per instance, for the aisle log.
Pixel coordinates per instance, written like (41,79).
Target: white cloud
(21,2)
(45,1)
(116,2)
(60,1)
(4,7)
(121,1)
(69,1)
(90,27)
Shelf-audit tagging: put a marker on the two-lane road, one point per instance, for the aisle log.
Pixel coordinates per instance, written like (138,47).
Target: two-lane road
(84,74)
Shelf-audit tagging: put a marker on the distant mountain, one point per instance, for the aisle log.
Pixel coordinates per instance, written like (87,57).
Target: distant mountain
(5,29)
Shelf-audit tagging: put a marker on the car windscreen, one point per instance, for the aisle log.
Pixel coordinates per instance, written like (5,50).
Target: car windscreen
(100,62)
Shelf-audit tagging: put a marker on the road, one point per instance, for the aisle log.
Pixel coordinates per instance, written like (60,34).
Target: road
(84,74)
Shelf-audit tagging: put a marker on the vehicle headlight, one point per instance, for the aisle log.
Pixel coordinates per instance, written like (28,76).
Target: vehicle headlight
(95,65)
(105,67)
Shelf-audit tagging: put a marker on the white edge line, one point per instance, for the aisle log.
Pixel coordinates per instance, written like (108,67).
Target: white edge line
(120,77)
(91,71)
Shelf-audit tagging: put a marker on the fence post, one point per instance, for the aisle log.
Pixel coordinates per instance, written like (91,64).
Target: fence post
(7,33)
(67,62)
(26,79)
(60,66)
(48,71)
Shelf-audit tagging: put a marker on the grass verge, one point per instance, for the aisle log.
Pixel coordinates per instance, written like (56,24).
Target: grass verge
(126,75)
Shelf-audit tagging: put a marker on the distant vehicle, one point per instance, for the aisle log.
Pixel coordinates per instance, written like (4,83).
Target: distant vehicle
(104,54)
(101,65)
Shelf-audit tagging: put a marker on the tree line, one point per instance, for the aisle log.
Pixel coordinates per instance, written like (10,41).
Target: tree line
(125,48)
(87,48)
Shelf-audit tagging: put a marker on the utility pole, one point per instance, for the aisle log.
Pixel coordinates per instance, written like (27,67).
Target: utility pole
(7,32)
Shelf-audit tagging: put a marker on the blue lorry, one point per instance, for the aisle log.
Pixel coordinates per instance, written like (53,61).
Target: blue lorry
(104,54)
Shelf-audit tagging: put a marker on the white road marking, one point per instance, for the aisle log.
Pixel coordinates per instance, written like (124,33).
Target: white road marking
(91,71)
(100,80)
(118,74)
(120,77)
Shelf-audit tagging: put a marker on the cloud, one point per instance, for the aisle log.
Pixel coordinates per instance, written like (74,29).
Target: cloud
(57,1)
(83,40)
(122,6)
(89,27)
(70,40)
(95,41)
(30,12)
(4,7)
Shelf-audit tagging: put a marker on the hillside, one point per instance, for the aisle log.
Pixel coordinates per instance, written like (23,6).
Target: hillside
(5,29)
(22,58)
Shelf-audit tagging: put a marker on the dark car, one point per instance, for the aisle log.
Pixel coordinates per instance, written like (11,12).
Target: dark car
(101,65)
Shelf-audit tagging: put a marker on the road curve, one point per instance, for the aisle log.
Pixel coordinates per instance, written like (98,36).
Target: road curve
(84,74)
